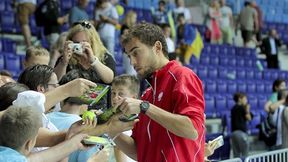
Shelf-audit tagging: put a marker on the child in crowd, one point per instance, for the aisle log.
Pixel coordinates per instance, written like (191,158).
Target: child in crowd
(124,86)
(36,55)
(240,114)
(19,128)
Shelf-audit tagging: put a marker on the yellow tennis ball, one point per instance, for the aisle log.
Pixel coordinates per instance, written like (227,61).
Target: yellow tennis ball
(88,115)
(120,10)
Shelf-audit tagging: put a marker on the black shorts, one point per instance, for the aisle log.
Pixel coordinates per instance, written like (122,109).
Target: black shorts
(247,35)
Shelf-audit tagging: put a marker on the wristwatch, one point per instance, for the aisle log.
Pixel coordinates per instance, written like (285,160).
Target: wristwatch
(144,106)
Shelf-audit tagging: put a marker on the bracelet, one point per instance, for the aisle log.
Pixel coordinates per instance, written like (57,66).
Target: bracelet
(95,62)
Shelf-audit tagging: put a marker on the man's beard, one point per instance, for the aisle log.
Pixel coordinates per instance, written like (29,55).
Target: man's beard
(147,74)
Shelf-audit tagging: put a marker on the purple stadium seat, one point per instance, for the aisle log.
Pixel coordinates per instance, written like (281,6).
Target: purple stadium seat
(249,74)
(267,75)
(268,87)
(232,87)
(204,60)
(212,73)
(260,87)
(224,61)
(223,51)
(275,74)
(232,62)
(230,102)
(261,102)
(241,87)
(240,62)
(241,74)
(2,6)
(202,72)
(221,87)
(258,75)
(253,102)
(251,87)
(220,102)
(8,22)
(248,63)
(9,45)
(66,5)
(209,106)
(214,60)
(12,62)
(1,61)
(254,122)
(210,87)
(222,72)
(282,75)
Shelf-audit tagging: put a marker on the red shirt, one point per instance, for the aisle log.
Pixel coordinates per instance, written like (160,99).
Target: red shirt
(178,90)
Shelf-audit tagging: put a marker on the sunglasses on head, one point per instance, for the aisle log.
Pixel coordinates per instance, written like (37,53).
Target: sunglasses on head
(85,24)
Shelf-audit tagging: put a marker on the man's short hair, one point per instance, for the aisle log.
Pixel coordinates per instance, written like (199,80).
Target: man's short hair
(148,34)
(37,75)
(238,95)
(162,2)
(36,51)
(17,125)
(9,93)
(131,82)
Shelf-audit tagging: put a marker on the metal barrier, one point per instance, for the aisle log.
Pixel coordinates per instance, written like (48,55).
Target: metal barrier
(232,160)
(272,156)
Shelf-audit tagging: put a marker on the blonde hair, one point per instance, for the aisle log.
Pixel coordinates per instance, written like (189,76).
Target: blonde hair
(128,20)
(97,46)
(36,51)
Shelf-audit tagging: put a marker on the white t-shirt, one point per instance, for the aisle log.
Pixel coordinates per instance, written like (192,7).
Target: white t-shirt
(225,19)
(170,44)
(182,10)
(106,29)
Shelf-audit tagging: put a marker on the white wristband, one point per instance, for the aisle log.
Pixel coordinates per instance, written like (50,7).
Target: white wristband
(95,62)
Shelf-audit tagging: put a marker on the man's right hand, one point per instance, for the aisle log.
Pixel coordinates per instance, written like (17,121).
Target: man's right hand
(78,87)
(78,141)
(115,126)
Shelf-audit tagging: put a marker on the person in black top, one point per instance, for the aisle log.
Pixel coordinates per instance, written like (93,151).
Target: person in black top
(240,114)
(52,20)
(93,59)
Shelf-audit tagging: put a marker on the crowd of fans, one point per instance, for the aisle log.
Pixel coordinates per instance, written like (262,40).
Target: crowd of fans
(40,117)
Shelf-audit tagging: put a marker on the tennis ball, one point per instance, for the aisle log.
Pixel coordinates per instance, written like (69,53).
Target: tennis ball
(120,10)
(88,115)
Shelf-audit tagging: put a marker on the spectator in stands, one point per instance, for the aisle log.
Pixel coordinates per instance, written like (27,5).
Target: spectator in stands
(213,23)
(170,122)
(124,86)
(226,23)
(181,9)
(167,32)
(248,20)
(106,18)
(130,19)
(25,8)
(278,119)
(19,128)
(273,103)
(70,113)
(270,47)
(260,21)
(94,58)
(160,15)
(240,114)
(36,56)
(5,77)
(53,21)
(78,12)
(57,51)
(284,125)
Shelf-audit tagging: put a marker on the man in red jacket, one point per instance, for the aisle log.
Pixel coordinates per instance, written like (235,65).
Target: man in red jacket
(171,121)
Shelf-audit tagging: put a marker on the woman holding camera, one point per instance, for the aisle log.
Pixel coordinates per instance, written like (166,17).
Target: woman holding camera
(84,50)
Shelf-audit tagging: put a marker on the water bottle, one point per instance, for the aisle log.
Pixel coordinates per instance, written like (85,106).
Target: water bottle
(259,65)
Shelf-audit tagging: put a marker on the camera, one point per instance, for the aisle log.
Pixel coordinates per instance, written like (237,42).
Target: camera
(76,48)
